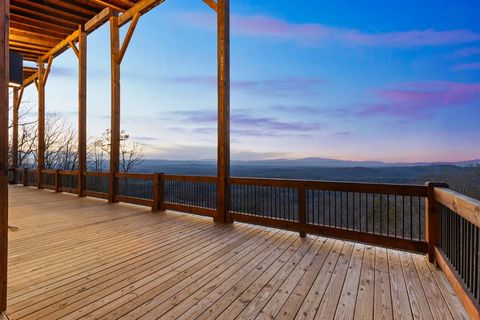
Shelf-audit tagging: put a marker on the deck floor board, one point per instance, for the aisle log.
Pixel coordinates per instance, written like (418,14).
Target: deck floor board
(74,258)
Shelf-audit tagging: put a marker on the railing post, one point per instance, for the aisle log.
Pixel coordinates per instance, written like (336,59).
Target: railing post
(58,181)
(432,218)
(12,181)
(302,209)
(39,178)
(81,184)
(25,176)
(158,190)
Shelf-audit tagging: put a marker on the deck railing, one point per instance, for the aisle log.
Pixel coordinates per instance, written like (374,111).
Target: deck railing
(426,218)
(385,214)
(456,242)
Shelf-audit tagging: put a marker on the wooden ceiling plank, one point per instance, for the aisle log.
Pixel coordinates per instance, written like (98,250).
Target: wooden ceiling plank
(38,23)
(50,10)
(85,3)
(29,45)
(35,29)
(34,35)
(43,17)
(73,7)
(29,52)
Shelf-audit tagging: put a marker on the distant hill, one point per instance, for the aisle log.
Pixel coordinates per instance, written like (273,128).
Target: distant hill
(306,162)
(461,176)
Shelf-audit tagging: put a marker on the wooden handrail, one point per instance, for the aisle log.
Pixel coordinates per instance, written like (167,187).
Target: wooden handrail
(69,172)
(466,207)
(378,188)
(142,176)
(177,177)
(96,174)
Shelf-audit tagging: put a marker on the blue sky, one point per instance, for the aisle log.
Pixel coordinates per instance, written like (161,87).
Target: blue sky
(370,80)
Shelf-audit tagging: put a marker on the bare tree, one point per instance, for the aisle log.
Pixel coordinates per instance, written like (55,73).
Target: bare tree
(60,144)
(26,136)
(96,155)
(131,152)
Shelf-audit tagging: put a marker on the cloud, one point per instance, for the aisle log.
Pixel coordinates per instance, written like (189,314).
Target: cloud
(467,52)
(195,152)
(317,34)
(467,66)
(420,99)
(274,86)
(241,119)
(144,138)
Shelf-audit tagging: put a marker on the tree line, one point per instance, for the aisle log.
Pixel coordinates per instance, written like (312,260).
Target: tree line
(61,145)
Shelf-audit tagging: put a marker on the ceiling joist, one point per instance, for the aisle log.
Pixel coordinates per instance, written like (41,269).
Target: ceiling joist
(40,30)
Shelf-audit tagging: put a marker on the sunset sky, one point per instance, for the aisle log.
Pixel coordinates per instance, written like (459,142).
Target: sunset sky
(359,80)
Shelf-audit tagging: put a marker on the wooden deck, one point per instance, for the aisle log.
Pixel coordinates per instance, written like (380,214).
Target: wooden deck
(85,259)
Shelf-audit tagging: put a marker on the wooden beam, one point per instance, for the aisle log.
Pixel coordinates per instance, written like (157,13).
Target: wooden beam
(47,71)
(223,149)
(74,48)
(115,105)
(140,7)
(4,79)
(128,36)
(212,4)
(30,80)
(98,20)
(17,99)
(464,206)
(109,5)
(41,120)
(82,111)
(60,47)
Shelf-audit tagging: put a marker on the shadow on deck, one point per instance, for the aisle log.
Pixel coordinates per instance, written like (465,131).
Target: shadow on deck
(82,258)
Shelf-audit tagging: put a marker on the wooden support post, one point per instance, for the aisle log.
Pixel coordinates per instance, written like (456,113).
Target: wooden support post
(58,181)
(82,111)
(158,189)
(25,177)
(115,107)
(432,218)
(14,155)
(41,121)
(302,209)
(4,79)
(223,151)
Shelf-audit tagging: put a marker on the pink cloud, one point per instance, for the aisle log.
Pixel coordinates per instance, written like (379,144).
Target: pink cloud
(467,66)
(316,34)
(419,99)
